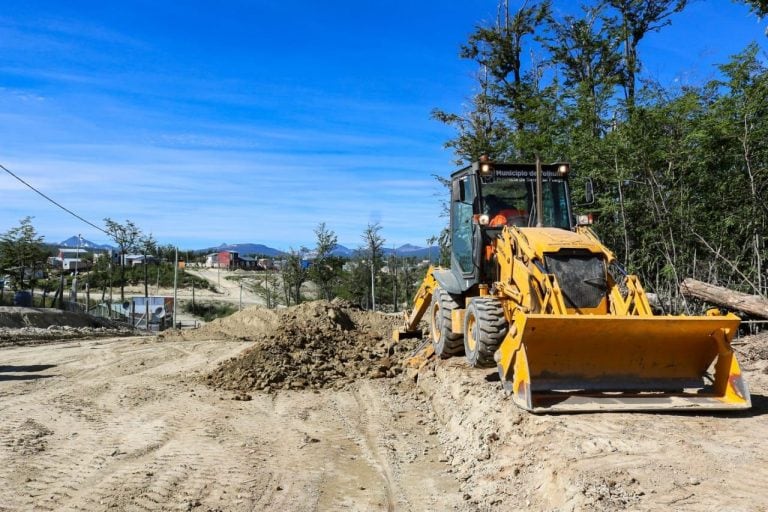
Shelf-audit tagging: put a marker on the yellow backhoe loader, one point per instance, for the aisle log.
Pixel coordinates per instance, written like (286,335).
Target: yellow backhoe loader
(533,292)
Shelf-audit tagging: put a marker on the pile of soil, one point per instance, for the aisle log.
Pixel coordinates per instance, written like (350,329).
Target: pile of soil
(16,317)
(314,345)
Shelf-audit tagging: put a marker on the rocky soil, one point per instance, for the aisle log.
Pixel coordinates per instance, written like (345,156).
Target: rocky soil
(315,345)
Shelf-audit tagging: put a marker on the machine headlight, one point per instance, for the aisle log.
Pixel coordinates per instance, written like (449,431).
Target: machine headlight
(485,165)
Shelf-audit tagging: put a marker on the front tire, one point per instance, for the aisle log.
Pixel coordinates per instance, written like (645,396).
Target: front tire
(444,341)
(485,327)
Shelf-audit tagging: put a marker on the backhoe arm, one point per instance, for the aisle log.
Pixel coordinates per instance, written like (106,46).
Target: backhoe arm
(421,302)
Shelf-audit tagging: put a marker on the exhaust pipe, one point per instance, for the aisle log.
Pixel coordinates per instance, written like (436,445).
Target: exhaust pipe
(539,193)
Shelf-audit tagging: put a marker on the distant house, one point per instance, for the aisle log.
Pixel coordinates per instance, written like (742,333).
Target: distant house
(69,259)
(232,260)
(212,260)
(133,260)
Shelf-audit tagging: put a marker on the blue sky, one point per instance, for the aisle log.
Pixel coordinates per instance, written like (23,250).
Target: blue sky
(253,121)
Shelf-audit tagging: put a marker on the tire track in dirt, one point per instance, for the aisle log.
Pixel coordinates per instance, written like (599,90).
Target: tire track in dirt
(155,466)
(100,440)
(132,427)
(353,418)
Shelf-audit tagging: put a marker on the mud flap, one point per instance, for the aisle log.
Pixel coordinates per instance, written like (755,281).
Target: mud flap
(560,363)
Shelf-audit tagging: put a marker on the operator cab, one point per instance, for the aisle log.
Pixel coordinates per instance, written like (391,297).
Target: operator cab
(508,196)
(487,196)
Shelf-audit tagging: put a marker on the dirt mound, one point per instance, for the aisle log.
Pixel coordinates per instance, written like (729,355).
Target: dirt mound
(249,324)
(314,345)
(23,325)
(16,317)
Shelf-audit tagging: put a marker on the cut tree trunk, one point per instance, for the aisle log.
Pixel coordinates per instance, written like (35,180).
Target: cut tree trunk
(753,305)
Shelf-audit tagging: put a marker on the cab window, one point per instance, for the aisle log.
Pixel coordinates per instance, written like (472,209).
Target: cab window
(461,219)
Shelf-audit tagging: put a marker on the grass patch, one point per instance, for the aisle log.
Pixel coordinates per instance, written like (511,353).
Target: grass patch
(209,310)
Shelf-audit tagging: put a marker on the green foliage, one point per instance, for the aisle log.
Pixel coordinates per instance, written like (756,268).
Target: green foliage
(22,253)
(127,237)
(326,268)
(294,275)
(354,284)
(209,311)
(267,286)
(759,7)
(681,175)
(373,244)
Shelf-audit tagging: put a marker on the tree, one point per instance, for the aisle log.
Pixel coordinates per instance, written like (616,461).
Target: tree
(588,55)
(373,244)
(268,288)
(480,131)
(759,7)
(126,236)
(294,274)
(515,114)
(22,252)
(325,268)
(636,19)
(147,244)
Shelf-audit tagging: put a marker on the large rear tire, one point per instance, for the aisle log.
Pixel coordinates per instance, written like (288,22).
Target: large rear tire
(444,341)
(485,327)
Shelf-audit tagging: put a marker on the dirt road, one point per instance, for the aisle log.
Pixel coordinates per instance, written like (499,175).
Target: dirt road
(125,424)
(228,289)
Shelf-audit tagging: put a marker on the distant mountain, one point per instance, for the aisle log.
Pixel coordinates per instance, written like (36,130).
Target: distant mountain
(343,252)
(413,251)
(74,242)
(408,248)
(246,249)
(405,251)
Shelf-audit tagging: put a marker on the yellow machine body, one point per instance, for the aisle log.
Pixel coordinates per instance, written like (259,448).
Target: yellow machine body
(616,356)
(566,327)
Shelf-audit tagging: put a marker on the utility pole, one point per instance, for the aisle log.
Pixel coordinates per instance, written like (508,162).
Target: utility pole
(175,282)
(109,267)
(77,266)
(146,290)
(373,287)
(61,287)
(394,278)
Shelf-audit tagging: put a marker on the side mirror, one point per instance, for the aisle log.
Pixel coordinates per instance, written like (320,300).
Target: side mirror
(589,191)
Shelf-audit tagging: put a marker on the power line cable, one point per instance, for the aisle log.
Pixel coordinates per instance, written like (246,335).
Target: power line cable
(53,201)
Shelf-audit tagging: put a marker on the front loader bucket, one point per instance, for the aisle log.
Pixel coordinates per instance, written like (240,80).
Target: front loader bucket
(559,363)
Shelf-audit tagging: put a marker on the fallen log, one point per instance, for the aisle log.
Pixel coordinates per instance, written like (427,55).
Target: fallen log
(753,305)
